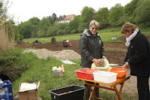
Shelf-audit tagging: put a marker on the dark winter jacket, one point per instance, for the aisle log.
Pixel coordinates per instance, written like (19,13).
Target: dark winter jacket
(91,46)
(138,55)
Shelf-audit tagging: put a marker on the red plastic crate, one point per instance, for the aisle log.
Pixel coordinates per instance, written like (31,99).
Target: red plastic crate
(85,73)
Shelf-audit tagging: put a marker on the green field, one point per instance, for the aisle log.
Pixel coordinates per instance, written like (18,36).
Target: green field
(106,35)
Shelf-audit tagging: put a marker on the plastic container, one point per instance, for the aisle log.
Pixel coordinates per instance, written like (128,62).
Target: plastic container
(106,77)
(58,73)
(85,73)
(68,93)
(121,72)
(6,88)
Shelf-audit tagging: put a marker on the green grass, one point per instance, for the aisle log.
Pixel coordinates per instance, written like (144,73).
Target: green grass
(106,35)
(58,38)
(40,70)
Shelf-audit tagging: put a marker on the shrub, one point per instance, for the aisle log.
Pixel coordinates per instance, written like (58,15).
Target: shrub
(9,57)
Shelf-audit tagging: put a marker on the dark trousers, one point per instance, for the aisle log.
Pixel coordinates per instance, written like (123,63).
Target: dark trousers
(96,91)
(143,87)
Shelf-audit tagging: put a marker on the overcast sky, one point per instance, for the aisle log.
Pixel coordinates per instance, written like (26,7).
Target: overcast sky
(22,10)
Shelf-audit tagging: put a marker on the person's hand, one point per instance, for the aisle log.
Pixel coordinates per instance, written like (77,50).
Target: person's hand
(97,61)
(94,60)
(104,57)
(125,65)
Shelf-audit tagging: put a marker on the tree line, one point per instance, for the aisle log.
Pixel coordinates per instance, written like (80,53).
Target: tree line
(137,11)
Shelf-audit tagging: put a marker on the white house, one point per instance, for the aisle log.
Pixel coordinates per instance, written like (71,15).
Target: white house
(67,19)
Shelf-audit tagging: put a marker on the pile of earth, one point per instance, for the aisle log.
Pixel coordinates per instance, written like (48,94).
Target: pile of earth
(115,52)
(62,55)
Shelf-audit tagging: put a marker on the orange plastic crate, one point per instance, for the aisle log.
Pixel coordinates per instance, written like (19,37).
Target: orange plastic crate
(121,72)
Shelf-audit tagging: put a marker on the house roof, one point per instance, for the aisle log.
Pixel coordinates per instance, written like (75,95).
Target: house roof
(69,17)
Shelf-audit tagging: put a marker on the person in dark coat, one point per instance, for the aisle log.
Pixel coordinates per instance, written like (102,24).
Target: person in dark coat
(91,49)
(138,58)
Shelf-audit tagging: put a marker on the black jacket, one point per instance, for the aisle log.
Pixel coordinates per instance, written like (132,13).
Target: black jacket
(138,55)
(91,46)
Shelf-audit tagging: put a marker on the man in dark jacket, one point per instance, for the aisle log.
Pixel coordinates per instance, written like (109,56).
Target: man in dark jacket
(91,49)
(138,57)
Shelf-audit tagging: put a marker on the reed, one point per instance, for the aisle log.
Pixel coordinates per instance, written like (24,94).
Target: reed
(7,35)
(3,37)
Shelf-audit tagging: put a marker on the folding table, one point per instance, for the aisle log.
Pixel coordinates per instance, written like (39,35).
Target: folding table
(108,86)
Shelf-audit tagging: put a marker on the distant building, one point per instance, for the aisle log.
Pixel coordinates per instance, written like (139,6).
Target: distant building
(67,19)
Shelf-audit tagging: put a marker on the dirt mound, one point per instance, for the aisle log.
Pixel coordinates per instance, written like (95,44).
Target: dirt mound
(115,55)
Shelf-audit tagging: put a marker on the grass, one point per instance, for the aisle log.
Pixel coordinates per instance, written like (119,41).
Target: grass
(40,70)
(106,35)
(58,38)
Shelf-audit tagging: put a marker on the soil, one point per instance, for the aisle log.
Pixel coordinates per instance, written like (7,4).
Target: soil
(62,55)
(115,53)
(114,56)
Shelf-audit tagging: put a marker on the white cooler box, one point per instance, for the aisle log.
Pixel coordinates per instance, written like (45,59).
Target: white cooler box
(106,77)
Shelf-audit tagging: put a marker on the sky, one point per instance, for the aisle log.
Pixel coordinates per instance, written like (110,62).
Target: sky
(23,10)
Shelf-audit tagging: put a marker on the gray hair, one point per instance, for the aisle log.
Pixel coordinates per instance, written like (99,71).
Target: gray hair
(94,22)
